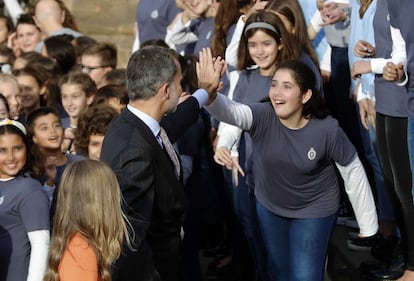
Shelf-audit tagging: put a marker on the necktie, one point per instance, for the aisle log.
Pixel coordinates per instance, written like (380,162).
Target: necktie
(170,150)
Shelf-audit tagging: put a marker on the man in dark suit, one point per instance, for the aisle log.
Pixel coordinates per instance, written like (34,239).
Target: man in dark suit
(154,196)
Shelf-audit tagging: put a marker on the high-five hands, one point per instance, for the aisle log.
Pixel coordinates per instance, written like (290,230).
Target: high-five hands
(209,72)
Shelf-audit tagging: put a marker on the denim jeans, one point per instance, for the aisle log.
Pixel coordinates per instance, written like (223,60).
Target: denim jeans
(296,248)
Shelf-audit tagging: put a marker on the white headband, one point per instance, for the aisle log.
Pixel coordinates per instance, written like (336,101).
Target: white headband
(261,24)
(17,124)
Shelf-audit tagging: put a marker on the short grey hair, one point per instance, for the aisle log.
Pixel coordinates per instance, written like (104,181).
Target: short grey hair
(148,69)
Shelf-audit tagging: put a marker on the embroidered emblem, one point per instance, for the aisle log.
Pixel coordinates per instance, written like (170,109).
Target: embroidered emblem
(1,200)
(154,14)
(208,35)
(311,153)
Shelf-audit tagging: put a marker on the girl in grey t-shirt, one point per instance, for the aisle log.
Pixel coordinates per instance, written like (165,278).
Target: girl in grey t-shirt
(295,148)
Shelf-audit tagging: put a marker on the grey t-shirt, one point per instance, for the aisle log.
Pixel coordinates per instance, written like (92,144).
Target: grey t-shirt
(24,207)
(294,169)
(153,18)
(390,98)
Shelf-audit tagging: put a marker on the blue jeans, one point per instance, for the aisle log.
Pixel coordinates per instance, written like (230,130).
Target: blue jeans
(245,208)
(296,248)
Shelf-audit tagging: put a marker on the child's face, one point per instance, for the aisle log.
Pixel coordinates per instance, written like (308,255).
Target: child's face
(27,37)
(48,132)
(95,146)
(263,50)
(30,91)
(12,93)
(12,155)
(74,99)
(94,67)
(4,32)
(199,7)
(286,96)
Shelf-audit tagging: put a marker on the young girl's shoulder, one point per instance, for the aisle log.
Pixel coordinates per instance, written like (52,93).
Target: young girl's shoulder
(325,124)
(23,184)
(250,71)
(27,181)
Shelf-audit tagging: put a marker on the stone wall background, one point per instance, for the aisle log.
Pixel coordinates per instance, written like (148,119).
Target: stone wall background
(109,21)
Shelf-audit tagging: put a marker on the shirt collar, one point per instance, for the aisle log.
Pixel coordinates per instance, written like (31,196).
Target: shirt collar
(148,120)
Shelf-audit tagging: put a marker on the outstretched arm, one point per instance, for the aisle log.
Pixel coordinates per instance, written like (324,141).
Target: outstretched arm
(359,192)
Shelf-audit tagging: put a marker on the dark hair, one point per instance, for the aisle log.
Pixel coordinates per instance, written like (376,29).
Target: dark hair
(94,121)
(81,43)
(289,50)
(106,52)
(154,42)
(9,23)
(62,51)
(227,14)
(30,57)
(82,79)
(305,79)
(292,10)
(116,77)
(26,19)
(111,91)
(149,68)
(189,83)
(39,76)
(51,71)
(36,114)
(7,52)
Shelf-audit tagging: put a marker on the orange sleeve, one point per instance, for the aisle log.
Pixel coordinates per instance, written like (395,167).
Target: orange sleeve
(79,261)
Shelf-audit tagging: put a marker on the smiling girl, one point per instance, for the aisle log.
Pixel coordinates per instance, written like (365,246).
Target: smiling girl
(78,91)
(32,85)
(295,150)
(265,44)
(24,210)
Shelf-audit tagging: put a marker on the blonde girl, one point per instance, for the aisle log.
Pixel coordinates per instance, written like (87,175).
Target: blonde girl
(89,225)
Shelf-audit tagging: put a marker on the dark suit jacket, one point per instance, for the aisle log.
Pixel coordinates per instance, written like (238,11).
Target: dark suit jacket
(155,202)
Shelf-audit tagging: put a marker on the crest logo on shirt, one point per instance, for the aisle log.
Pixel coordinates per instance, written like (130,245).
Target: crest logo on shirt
(311,154)
(208,35)
(154,14)
(1,200)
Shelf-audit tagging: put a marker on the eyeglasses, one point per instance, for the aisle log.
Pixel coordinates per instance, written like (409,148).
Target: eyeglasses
(88,69)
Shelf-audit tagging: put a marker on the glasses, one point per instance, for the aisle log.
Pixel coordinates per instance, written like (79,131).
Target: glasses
(88,69)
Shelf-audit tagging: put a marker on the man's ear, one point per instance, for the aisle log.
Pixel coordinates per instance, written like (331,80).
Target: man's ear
(164,91)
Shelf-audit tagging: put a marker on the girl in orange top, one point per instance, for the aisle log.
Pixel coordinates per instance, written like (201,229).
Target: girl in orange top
(89,225)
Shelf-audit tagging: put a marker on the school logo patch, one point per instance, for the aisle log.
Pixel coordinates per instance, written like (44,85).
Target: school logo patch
(1,200)
(154,14)
(311,154)
(208,35)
